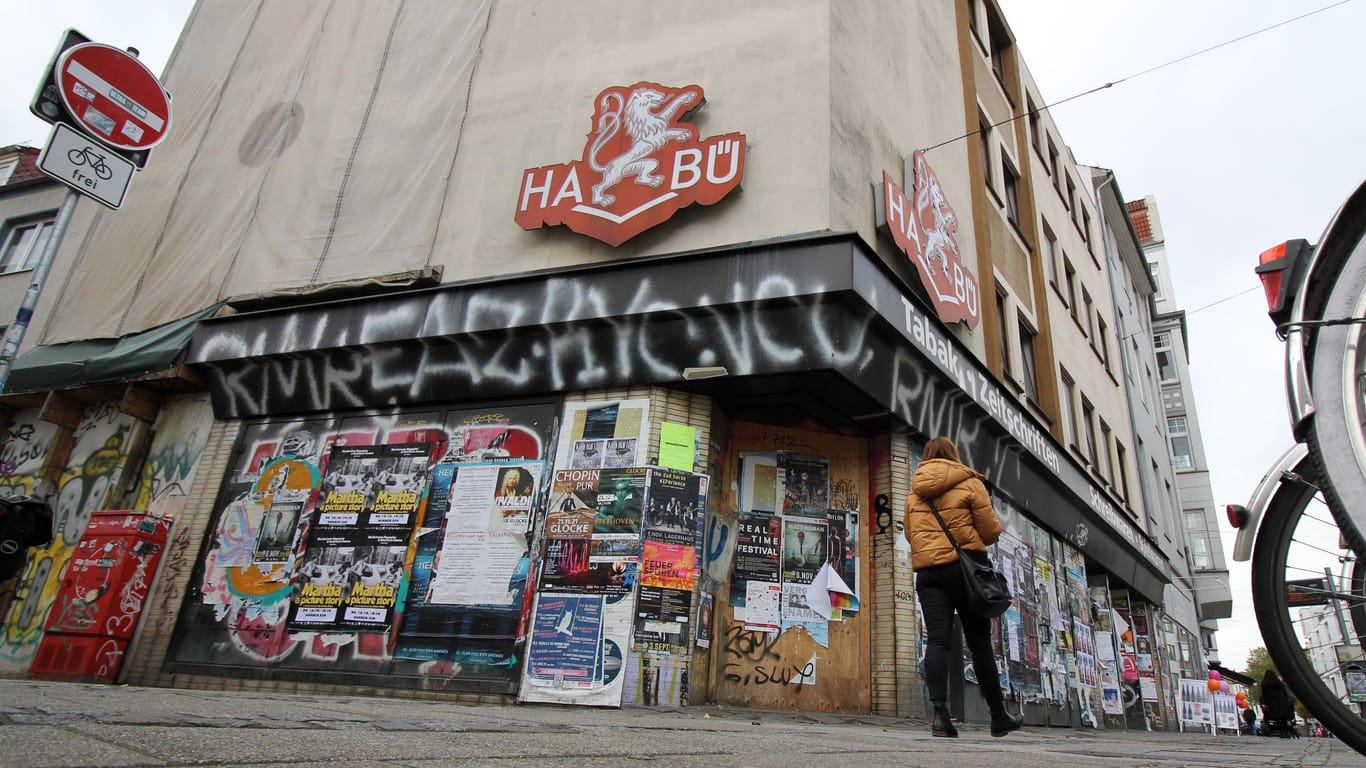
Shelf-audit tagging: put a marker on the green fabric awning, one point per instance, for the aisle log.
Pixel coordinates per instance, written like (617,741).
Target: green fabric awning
(104,361)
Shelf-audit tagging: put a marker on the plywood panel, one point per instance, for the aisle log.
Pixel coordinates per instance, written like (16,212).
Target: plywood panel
(790,670)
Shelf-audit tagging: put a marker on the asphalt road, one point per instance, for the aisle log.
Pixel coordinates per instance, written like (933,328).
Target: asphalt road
(60,724)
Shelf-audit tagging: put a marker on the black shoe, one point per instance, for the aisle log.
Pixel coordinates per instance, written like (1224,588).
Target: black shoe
(1002,722)
(942,725)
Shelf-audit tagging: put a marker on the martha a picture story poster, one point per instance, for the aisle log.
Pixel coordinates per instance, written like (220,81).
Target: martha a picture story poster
(806,485)
(348,579)
(674,506)
(400,487)
(371,599)
(349,487)
(320,587)
(543,683)
(757,549)
(569,531)
(604,434)
(804,543)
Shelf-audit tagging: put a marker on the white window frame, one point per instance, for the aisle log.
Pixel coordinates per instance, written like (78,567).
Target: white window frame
(26,258)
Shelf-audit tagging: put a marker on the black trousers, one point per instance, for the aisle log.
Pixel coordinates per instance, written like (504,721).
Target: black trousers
(942,593)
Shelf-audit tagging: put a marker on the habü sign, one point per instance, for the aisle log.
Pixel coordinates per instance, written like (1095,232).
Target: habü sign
(641,164)
(923,228)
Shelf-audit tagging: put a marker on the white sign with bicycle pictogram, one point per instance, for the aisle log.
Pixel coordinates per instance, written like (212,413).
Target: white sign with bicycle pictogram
(86,165)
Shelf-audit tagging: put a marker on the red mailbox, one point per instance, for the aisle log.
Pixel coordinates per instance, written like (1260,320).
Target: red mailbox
(99,603)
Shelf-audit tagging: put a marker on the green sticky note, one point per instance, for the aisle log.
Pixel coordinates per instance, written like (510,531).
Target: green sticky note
(676,444)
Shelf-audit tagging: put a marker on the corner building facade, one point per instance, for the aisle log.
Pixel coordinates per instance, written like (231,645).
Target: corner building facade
(507,234)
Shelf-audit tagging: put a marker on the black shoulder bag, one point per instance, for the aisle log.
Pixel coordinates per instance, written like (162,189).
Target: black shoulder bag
(988,590)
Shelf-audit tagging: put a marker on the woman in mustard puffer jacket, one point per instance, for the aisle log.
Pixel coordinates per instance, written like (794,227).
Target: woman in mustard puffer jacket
(964,504)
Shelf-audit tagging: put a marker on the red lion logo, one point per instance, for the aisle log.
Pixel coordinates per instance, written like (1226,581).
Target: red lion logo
(925,234)
(641,164)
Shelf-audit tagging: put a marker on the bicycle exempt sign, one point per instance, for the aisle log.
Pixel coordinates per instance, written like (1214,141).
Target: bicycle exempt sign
(107,110)
(86,165)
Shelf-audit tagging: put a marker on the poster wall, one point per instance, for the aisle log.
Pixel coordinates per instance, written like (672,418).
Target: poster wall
(353,563)
(604,435)
(643,535)
(1196,704)
(353,510)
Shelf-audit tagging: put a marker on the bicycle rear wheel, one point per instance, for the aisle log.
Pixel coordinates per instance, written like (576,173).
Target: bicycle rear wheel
(1337,359)
(1303,611)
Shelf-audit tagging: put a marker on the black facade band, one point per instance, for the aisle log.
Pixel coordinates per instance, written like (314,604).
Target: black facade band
(817,310)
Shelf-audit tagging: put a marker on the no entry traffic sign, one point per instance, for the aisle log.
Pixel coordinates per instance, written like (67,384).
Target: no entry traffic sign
(113,96)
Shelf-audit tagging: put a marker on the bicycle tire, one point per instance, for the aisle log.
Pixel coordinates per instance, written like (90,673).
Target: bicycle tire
(1336,362)
(1285,513)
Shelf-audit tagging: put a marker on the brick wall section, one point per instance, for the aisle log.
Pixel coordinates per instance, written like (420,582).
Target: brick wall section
(897,689)
(143,666)
(679,408)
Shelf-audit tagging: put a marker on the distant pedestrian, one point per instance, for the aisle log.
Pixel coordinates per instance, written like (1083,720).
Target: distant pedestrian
(965,506)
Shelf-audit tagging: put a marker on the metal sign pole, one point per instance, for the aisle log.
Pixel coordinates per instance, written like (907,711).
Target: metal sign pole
(14,336)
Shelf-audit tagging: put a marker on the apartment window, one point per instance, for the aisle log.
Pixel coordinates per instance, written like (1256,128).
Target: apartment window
(1069,404)
(1050,254)
(1003,329)
(1088,310)
(1012,183)
(1200,555)
(1157,280)
(1071,193)
(1195,520)
(7,169)
(1103,340)
(1109,463)
(1069,293)
(1028,363)
(23,242)
(1121,458)
(974,9)
(1000,46)
(1055,165)
(1085,225)
(1166,360)
(1181,442)
(1036,136)
(1088,425)
(984,136)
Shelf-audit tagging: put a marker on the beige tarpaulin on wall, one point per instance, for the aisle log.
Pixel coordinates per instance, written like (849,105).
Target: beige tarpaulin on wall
(289,120)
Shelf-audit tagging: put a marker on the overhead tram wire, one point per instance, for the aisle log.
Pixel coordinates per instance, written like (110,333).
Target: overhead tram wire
(1197,309)
(1141,73)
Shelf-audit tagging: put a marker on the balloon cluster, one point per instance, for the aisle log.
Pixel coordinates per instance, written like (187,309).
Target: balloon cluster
(1216,682)
(1242,700)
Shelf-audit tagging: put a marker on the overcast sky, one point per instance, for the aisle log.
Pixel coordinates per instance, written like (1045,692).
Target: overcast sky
(1243,147)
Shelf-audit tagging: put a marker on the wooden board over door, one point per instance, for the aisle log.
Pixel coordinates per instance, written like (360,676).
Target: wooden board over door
(791,670)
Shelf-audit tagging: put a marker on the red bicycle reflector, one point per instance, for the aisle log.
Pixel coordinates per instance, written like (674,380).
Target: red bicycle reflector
(1276,268)
(1237,515)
